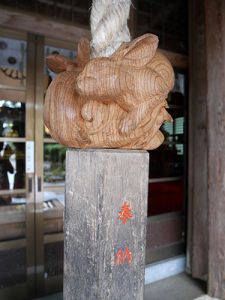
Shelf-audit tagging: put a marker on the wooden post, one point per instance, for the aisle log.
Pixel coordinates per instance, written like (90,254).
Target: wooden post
(207,142)
(215,58)
(105,224)
(198,147)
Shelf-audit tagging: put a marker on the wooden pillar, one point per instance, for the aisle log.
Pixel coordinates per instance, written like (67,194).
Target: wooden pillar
(207,143)
(198,147)
(105,224)
(215,45)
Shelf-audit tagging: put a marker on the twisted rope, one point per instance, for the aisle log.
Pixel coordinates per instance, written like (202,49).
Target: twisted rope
(109,26)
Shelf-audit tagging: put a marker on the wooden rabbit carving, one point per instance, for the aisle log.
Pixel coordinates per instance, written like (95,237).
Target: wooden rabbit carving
(110,102)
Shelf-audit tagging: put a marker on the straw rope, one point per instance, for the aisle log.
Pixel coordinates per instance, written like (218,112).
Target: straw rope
(109,26)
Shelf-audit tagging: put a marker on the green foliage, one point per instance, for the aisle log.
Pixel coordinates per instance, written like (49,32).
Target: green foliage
(54,156)
(57,152)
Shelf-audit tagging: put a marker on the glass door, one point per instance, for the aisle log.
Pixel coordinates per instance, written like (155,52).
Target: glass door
(32,170)
(16,174)
(167,182)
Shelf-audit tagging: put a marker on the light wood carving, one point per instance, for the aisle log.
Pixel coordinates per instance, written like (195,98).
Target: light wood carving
(110,102)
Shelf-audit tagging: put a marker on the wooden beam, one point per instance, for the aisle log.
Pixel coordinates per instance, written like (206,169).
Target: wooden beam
(215,60)
(178,60)
(39,25)
(52,29)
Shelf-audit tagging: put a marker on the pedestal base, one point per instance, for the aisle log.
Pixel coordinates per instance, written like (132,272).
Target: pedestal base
(105,224)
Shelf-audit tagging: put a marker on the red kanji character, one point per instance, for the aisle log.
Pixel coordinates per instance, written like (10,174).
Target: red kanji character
(125,213)
(122,255)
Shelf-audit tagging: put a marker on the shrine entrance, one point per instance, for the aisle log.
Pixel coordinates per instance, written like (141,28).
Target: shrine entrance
(32,173)
(32,170)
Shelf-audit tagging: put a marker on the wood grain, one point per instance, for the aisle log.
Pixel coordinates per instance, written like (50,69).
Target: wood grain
(113,102)
(215,57)
(97,184)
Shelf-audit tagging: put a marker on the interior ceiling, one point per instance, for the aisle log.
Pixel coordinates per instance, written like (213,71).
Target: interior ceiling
(166,18)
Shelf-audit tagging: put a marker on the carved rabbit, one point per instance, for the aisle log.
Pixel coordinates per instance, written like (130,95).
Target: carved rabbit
(114,102)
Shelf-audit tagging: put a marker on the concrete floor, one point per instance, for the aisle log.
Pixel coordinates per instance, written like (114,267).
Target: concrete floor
(180,287)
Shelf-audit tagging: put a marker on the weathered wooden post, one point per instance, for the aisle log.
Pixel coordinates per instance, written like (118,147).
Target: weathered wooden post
(114,100)
(105,223)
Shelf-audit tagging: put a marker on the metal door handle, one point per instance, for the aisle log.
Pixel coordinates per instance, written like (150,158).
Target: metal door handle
(30,185)
(39,183)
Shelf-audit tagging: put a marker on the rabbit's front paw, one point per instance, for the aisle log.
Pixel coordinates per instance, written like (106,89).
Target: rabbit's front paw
(87,111)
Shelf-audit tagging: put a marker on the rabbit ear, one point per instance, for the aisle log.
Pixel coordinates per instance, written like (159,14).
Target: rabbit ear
(139,52)
(83,52)
(58,63)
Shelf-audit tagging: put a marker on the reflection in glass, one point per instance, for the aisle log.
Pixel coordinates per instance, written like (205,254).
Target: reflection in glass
(53,211)
(5,168)
(12,119)
(54,163)
(19,179)
(179,85)
(12,168)
(13,56)
(58,197)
